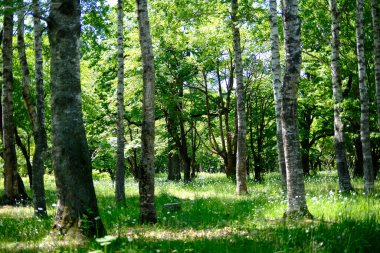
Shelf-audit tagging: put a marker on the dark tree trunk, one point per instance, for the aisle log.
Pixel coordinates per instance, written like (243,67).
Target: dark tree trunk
(77,209)
(376,41)
(14,190)
(146,184)
(40,138)
(358,166)
(364,102)
(120,165)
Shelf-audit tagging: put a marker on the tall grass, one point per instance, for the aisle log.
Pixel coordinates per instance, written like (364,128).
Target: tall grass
(213,219)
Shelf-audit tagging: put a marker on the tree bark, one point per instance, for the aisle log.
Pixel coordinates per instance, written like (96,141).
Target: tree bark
(25,153)
(276,70)
(241,154)
(146,184)
(364,102)
(120,165)
(77,209)
(294,175)
(339,138)
(376,41)
(40,139)
(14,191)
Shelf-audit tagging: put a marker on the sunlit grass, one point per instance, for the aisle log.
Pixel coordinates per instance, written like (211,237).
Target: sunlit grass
(213,219)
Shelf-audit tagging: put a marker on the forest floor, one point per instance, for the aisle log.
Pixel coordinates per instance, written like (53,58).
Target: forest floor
(213,219)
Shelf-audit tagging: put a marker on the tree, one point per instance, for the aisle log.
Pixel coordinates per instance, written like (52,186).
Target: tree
(364,102)
(14,190)
(120,167)
(146,182)
(241,156)
(294,177)
(41,138)
(339,138)
(276,69)
(376,41)
(77,209)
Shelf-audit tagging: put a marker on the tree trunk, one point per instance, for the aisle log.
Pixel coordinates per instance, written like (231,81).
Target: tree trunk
(276,70)
(174,164)
(376,40)
(146,184)
(294,175)
(14,191)
(40,138)
(120,167)
(25,153)
(77,208)
(339,138)
(241,154)
(364,104)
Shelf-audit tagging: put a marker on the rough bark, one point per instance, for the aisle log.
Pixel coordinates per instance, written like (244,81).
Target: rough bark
(376,41)
(40,138)
(364,102)
(276,70)
(146,183)
(339,138)
(77,209)
(14,191)
(241,154)
(120,165)
(294,175)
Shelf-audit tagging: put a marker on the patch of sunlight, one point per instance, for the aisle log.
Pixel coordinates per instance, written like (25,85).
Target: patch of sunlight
(16,211)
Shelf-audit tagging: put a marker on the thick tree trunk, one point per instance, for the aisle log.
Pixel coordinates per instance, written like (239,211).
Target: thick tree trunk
(294,175)
(376,40)
(364,104)
(77,208)
(146,184)
(40,137)
(241,154)
(339,139)
(14,191)
(276,70)
(120,166)
(174,164)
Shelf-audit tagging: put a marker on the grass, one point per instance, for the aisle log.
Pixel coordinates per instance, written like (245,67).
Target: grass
(213,219)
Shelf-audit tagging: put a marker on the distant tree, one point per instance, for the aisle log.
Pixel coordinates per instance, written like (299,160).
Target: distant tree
(339,138)
(276,69)
(295,182)
(146,181)
(364,102)
(77,209)
(120,165)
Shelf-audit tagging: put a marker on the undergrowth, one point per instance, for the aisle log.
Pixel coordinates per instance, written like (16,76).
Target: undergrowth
(213,219)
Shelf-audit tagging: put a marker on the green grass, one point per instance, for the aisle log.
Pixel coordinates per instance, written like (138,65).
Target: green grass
(213,219)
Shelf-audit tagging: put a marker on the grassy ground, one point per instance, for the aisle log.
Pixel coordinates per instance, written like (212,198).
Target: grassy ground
(213,219)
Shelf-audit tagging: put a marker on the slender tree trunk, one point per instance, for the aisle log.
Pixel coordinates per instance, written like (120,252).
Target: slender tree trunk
(241,156)
(146,184)
(77,208)
(14,190)
(294,175)
(276,70)
(339,139)
(120,167)
(376,40)
(364,104)
(40,138)
(25,153)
